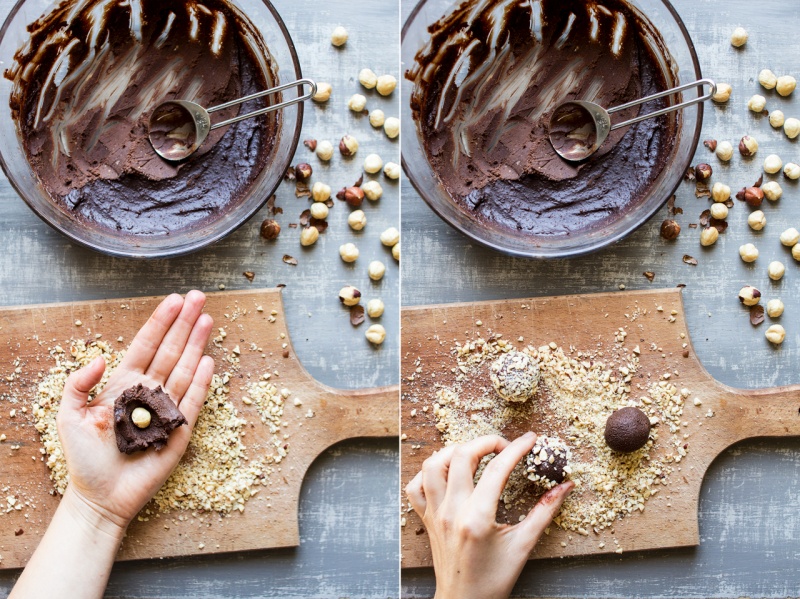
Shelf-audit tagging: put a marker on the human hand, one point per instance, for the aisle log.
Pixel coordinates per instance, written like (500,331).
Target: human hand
(167,351)
(473,555)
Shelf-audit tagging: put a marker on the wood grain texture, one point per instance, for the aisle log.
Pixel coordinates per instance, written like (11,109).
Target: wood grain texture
(327,416)
(349,495)
(749,497)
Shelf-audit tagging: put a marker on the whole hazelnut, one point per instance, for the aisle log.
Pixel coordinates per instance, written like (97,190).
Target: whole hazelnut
(776,270)
(348,252)
(357,220)
(339,36)
(796,252)
(739,37)
(720,192)
(354,196)
(320,192)
(270,229)
(792,170)
(790,237)
(703,171)
(303,170)
(785,85)
(772,164)
(757,220)
(749,295)
(748,146)
(774,308)
(377,118)
(748,252)
(367,78)
(753,196)
(309,236)
(775,334)
(348,145)
(391,127)
(791,127)
(396,252)
(719,211)
(386,84)
(325,150)
(392,170)
(373,190)
(767,79)
(376,270)
(375,308)
(373,164)
(670,229)
(709,236)
(776,119)
(357,103)
(757,103)
(723,93)
(376,334)
(141,417)
(772,191)
(323,92)
(349,296)
(390,237)
(724,151)
(319,210)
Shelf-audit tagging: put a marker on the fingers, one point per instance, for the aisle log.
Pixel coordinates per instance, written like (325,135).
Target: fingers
(144,346)
(81,382)
(171,348)
(495,475)
(465,463)
(416,496)
(434,476)
(182,375)
(195,396)
(542,514)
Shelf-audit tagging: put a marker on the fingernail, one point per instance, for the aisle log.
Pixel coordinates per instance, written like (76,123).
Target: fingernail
(528,435)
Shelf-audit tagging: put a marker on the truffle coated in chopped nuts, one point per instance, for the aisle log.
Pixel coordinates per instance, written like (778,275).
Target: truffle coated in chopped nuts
(270,229)
(357,103)
(757,103)
(791,127)
(785,85)
(775,334)
(547,464)
(375,308)
(373,164)
(776,119)
(349,296)
(325,150)
(748,252)
(772,164)
(357,220)
(377,118)
(323,94)
(776,270)
(339,36)
(724,151)
(739,37)
(774,308)
(792,171)
(392,170)
(772,191)
(309,236)
(372,190)
(515,376)
(723,93)
(348,252)
(790,237)
(756,220)
(375,334)
(390,237)
(627,430)
(391,127)
(164,418)
(396,252)
(767,79)
(720,192)
(320,192)
(319,211)
(709,236)
(367,78)
(749,295)
(376,270)
(386,84)
(719,211)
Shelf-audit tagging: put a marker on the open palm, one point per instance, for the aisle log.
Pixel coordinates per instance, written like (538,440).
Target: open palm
(167,351)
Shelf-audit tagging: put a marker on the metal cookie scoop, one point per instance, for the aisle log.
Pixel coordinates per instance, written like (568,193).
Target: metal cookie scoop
(178,127)
(579,128)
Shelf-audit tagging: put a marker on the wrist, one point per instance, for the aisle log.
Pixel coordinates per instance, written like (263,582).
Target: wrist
(91,517)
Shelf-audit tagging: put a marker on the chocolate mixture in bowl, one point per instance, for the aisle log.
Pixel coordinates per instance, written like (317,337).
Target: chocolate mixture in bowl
(486,85)
(84,86)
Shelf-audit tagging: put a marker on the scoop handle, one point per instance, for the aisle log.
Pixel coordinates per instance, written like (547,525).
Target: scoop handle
(272,108)
(669,92)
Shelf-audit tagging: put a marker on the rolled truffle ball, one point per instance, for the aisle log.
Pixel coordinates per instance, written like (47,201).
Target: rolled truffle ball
(515,376)
(547,464)
(627,430)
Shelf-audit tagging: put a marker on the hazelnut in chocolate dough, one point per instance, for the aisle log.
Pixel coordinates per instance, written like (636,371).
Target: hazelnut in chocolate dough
(484,89)
(627,430)
(164,418)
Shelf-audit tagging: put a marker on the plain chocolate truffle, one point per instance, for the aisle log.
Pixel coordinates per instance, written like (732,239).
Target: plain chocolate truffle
(164,418)
(548,462)
(515,376)
(627,430)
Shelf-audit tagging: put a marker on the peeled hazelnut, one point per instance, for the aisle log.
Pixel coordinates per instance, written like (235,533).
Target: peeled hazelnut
(357,220)
(748,252)
(670,229)
(339,36)
(303,171)
(375,308)
(757,103)
(323,92)
(270,229)
(373,190)
(396,252)
(748,146)
(791,127)
(757,220)
(723,93)
(775,334)
(749,295)
(354,196)
(348,252)
(703,171)
(792,170)
(320,192)
(376,334)
(739,37)
(790,237)
(720,192)
(709,236)
(391,127)
(373,164)
(348,145)
(319,210)
(376,270)
(357,103)
(390,237)
(796,252)
(377,118)
(776,270)
(325,150)
(349,296)
(772,164)
(767,79)
(309,236)
(772,191)
(719,211)
(724,151)
(141,417)
(367,78)
(753,196)
(776,119)
(386,85)
(774,308)
(392,170)
(785,85)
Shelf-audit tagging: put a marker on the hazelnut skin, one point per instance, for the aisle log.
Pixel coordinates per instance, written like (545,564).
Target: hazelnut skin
(354,196)
(754,196)
(270,229)
(670,229)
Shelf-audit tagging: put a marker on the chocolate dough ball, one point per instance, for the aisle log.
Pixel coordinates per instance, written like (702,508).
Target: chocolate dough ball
(548,462)
(627,430)
(515,376)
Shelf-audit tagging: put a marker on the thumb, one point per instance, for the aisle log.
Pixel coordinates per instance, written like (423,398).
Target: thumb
(542,514)
(81,382)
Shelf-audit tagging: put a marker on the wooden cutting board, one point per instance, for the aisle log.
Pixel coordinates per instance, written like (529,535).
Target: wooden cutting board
(270,518)
(590,322)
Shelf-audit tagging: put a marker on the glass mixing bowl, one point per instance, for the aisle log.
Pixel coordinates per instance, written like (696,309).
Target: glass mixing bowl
(685,68)
(15,164)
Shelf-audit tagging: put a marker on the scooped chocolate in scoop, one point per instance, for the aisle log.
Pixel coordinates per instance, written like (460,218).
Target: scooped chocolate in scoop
(164,418)
(487,83)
